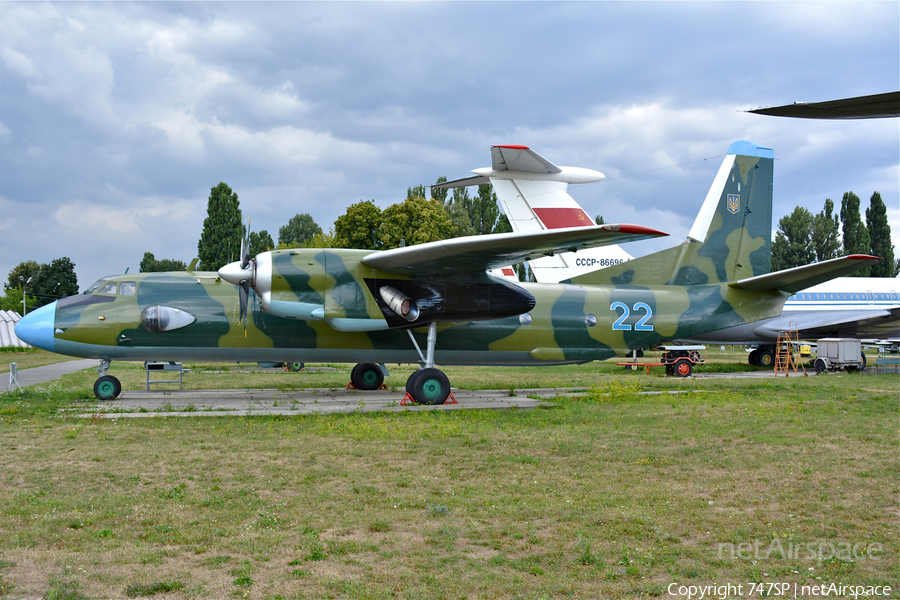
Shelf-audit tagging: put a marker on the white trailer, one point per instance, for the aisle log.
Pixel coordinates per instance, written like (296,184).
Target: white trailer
(836,354)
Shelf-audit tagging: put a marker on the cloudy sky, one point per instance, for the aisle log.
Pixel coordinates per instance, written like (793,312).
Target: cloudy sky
(116,119)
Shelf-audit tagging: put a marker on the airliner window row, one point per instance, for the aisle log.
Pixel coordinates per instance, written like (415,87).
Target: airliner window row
(839,296)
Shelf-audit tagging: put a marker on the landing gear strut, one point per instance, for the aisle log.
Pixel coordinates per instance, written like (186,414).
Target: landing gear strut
(106,387)
(428,385)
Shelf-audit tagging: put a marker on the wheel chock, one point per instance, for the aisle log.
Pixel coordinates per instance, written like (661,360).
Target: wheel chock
(350,386)
(384,386)
(409,400)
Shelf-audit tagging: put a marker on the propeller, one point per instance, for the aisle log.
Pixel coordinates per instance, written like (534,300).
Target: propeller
(245,282)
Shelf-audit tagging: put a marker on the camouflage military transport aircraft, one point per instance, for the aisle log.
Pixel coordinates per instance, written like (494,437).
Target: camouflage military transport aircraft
(372,308)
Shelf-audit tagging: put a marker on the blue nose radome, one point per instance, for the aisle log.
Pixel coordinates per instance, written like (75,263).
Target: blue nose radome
(36,328)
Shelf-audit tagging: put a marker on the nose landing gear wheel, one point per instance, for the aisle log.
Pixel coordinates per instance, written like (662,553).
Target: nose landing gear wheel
(107,388)
(428,386)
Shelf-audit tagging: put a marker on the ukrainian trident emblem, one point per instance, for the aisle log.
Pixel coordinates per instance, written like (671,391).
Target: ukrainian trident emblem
(734,203)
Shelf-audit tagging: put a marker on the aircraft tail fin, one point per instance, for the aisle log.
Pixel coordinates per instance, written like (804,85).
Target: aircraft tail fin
(731,238)
(533,194)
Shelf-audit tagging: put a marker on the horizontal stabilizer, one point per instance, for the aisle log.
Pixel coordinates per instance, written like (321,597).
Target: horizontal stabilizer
(464,182)
(800,278)
(522,159)
(480,253)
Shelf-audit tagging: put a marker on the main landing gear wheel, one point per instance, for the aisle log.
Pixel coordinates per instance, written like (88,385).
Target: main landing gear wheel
(753,359)
(367,376)
(683,367)
(107,388)
(428,386)
(766,358)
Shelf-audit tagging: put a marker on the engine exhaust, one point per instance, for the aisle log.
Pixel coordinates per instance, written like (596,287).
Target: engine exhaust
(400,303)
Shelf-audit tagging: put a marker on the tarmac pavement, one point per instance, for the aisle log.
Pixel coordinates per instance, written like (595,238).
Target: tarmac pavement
(46,373)
(266,402)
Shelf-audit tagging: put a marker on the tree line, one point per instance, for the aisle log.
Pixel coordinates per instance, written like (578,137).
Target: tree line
(803,238)
(420,218)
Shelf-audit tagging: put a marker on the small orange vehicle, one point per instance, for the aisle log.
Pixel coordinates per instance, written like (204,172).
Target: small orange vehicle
(678,360)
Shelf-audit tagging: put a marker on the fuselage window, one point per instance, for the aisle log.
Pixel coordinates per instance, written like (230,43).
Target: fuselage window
(109,288)
(127,288)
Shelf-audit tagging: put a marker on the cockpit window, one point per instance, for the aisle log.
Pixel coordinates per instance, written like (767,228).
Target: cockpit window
(95,286)
(109,288)
(127,288)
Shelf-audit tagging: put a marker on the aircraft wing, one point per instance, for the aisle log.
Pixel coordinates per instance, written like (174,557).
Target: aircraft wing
(482,252)
(800,278)
(831,323)
(876,106)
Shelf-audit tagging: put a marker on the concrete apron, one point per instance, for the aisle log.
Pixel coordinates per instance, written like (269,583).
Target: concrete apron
(225,403)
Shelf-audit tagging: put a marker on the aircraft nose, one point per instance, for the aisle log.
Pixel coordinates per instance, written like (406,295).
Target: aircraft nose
(36,328)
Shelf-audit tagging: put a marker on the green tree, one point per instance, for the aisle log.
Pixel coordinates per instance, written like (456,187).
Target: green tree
(599,220)
(855,234)
(149,264)
(879,237)
(458,210)
(260,242)
(54,281)
(416,192)
(503,225)
(826,233)
(298,231)
(440,194)
(49,282)
(415,221)
(12,300)
(483,210)
(220,241)
(24,270)
(359,227)
(793,241)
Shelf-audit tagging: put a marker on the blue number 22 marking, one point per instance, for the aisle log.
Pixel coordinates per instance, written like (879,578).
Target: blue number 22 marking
(641,325)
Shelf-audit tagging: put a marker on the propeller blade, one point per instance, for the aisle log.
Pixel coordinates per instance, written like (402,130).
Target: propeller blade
(245,246)
(245,296)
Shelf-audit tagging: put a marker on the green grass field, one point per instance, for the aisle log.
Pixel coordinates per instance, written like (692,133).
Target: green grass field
(613,494)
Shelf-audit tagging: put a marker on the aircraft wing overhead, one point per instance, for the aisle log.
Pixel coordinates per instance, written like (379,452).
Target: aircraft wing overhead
(827,322)
(800,278)
(483,252)
(876,106)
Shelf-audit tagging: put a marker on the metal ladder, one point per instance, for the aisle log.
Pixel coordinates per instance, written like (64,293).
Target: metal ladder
(784,357)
